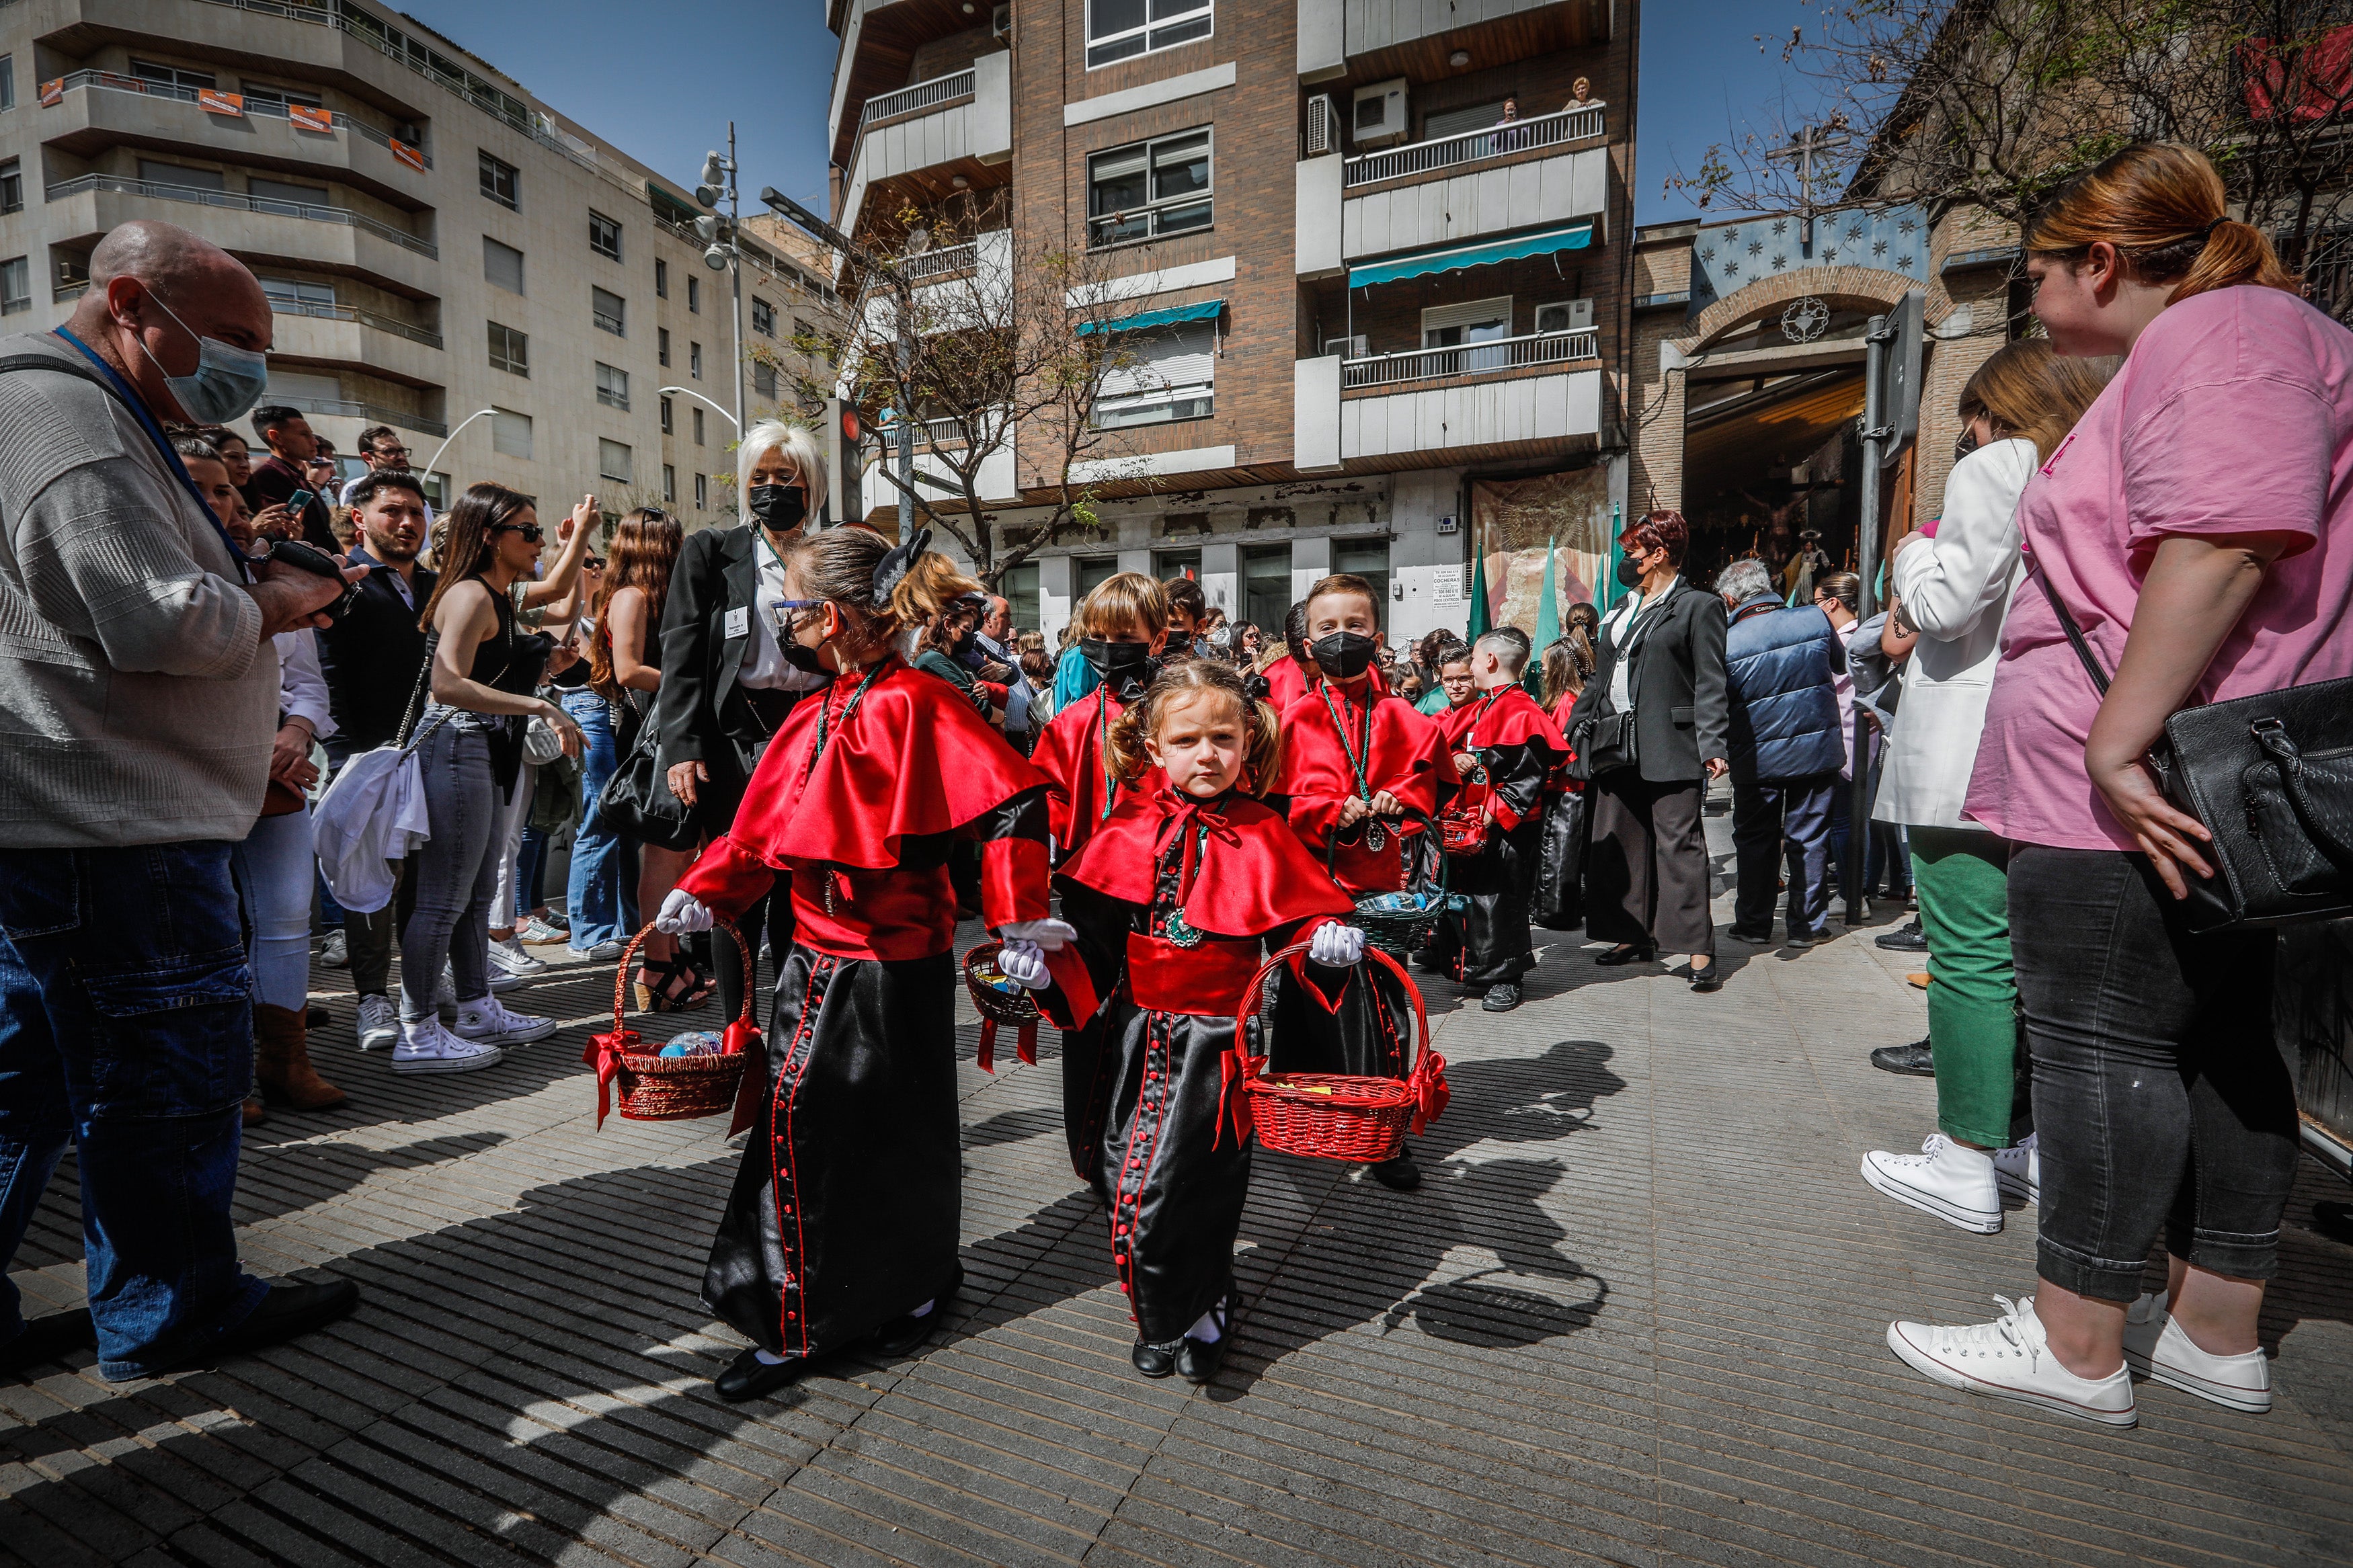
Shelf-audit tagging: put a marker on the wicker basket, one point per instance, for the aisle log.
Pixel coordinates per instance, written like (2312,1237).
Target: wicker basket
(1332,1116)
(1016,1007)
(1398,932)
(656,1087)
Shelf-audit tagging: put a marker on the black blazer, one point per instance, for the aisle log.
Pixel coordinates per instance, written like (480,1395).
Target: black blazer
(371,659)
(1680,718)
(700,711)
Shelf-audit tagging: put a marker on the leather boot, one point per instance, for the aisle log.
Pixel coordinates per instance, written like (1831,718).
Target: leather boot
(254,1112)
(284,1071)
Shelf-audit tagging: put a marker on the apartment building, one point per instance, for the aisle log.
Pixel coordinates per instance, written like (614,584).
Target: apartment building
(1382,251)
(445,254)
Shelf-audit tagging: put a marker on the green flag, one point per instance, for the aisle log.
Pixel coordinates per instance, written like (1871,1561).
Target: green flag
(1547,624)
(1605,586)
(1481,622)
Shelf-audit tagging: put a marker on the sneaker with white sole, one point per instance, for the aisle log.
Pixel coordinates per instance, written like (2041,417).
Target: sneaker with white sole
(605,951)
(2011,1359)
(1955,1183)
(488,1022)
(335,952)
(426,1047)
(2156,1348)
(509,955)
(2018,1171)
(539,932)
(379,1023)
(445,995)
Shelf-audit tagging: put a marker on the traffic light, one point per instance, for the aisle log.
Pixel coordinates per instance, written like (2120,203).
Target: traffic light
(841,436)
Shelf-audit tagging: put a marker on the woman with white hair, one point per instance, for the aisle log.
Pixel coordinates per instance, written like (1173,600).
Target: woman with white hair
(726,681)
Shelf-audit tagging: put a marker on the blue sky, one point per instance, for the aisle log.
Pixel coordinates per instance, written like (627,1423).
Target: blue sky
(660,80)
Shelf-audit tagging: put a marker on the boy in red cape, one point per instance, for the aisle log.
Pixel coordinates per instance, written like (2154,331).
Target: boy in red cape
(1358,768)
(844,1222)
(1508,750)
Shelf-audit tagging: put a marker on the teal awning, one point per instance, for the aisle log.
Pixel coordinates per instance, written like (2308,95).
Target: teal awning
(1206,310)
(1462,256)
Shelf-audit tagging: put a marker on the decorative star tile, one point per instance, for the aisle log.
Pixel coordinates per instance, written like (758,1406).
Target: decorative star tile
(1732,269)
(1878,247)
(1830,257)
(1903,263)
(1781,227)
(1779,262)
(1708,255)
(1755,247)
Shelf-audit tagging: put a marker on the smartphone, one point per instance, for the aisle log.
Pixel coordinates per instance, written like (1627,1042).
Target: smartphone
(296,553)
(299,502)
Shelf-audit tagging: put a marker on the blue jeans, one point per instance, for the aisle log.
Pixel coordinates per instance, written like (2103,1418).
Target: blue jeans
(126,1024)
(596,899)
(1777,822)
(455,872)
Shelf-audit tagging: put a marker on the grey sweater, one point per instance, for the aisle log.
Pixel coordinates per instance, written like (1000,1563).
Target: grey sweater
(138,696)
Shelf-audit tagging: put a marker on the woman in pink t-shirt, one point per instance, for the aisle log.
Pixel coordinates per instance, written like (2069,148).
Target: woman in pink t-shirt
(2197,524)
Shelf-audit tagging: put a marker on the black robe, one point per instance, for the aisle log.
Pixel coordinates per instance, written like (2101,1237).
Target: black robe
(1519,752)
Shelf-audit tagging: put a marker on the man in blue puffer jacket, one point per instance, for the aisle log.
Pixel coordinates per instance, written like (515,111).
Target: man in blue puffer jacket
(1786,753)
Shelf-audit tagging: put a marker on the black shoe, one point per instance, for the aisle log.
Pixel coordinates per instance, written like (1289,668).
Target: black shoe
(1806,939)
(1501,996)
(1905,939)
(1197,1362)
(1753,938)
(900,1335)
(1915,1060)
(749,1377)
(288,1312)
(48,1338)
(317,1017)
(1623,954)
(1154,1361)
(1708,979)
(1400,1174)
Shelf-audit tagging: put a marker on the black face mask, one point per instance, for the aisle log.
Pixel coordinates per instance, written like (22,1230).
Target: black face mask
(781,508)
(802,658)
(1344,656)
(1630,574)
(1122,666)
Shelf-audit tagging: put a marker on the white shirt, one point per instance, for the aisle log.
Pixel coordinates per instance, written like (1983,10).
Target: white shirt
(764,668)
(302,683)
(1622,700)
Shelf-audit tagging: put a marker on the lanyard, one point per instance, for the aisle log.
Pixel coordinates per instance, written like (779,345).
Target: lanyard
(155,434)
(1103,748)
(1359,756)
(824,714)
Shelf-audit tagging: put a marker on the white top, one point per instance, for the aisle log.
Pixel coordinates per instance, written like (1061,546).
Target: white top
(764,665)
(1621,698)
(302,683)
(1956,588)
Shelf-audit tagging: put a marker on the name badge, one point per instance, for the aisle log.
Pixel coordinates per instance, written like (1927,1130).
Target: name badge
(739,622)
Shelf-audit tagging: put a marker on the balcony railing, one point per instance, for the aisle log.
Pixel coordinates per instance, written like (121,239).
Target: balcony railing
(110,82)
(345,409)
(938,263)
(915,99)
(325,311)
(267,205)
(1471,146)
(1470,359)
(73,290)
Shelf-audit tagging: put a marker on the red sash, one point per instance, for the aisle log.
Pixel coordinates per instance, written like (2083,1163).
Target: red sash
(1206,982)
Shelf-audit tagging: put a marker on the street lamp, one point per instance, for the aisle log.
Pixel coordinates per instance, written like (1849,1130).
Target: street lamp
(700,398)
(725,254)
(435,461)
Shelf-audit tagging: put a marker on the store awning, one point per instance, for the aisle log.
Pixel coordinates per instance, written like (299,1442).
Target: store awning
(1207,310)
(1459,257)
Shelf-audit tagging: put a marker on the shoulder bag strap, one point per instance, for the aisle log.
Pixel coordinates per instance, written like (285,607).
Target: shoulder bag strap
(2074,633)
(416,696)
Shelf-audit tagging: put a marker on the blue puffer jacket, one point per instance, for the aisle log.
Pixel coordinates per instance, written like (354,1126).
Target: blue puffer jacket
(1784,715)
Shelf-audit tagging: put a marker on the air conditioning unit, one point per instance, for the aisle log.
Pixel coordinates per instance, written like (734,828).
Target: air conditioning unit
(1323,128)
(1570,316)
(1357,347)
(1381,114)
(1001,22)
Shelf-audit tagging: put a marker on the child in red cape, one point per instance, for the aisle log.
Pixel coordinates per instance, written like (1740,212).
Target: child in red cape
(1509,750)
(1358,766)
(1173,900)
(843,1223)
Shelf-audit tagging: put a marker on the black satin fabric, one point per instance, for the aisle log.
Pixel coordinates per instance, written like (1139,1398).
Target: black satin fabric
(1491,937)
(845,1209)
(1366,1036)
(1088,1065)
(1559,901)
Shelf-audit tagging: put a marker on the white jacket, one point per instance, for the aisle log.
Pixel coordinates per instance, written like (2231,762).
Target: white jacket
(1956,588)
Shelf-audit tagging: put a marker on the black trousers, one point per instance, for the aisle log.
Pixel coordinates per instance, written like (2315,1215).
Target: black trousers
(1777,822)
(1646,873)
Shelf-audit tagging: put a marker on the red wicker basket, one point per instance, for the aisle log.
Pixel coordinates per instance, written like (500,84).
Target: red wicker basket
(1332,1116)
(1017,1008)
(656,1087)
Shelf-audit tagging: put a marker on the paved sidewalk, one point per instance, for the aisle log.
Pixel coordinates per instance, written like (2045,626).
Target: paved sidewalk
(1635,1316)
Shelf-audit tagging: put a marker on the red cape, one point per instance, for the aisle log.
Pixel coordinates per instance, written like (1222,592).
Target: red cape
(1408,759)
(1286,683)
(1456,723)
(1510,718)
(1069,753)
(1254,877)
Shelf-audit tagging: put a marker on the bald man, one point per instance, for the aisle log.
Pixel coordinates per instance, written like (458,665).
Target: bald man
(138,702)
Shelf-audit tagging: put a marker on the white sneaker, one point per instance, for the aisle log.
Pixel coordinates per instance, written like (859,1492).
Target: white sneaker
(510,956)
(605,951)
(445,995)
(2018,1171)
(488,1022)
(1955,1183)
(426,1047)
(2011,1359)
(538,933)
(379,1023)
(335,952)
(2155,1347)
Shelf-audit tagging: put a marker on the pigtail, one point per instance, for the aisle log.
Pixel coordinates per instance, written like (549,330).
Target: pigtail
(1263,757)
(1124,749)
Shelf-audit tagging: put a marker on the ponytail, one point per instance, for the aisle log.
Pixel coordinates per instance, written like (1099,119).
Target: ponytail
(2162,205)
(841,566)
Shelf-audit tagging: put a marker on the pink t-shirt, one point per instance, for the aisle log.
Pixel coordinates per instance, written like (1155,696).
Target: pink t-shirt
(2233,415)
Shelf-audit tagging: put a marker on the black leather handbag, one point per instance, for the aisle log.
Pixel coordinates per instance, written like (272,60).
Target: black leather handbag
(637,801)
(1559,900)
(2271,777)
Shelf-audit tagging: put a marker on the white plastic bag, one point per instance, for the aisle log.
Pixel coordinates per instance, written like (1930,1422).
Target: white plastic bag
(372,815)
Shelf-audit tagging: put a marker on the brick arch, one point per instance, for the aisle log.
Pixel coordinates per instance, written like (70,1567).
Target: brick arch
(1851,288)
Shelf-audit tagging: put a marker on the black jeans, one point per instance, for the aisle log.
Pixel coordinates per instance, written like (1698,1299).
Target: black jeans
(2159,1091)
(1777,822)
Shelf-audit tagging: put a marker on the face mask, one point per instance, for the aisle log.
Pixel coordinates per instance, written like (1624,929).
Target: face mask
(227,380)
(1630,576)
(802,658)
(780,507)
(1120,665)
(1344,656)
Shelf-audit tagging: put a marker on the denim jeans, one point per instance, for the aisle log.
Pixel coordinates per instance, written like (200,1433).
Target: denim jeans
(276,876)
(597,898)
(456,872)
(126,1025)
(2159,1092)
(1779,821)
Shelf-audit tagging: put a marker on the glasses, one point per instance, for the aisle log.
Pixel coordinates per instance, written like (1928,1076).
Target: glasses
(390,453)
(531,531)
(593,563)
(1964,443)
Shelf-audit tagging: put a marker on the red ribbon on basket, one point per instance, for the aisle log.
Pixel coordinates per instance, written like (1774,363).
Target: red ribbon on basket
(1025,1045)
(1236,1067)
(1431,1093)
(603,1052)
(742,1034)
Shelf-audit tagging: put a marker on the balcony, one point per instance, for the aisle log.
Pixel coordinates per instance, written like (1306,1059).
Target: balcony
(238,201)
(1512,397)
(1474,146)
(1336,36)
(964,117)
(345,408)
(1469,359)
(326,123)
(1450,189)
(368,319)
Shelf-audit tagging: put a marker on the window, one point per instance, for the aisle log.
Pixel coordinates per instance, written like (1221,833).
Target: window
(802,330)
(701,490)
(16,284)
(763,316)
(510,349)
(668,418)
(277,97)
(510,433)
(670,485)
(499,183)
(603,236)
(268,194)
(1170,565)
(1368,559)
(1088,575)
(12,187)
(1020,585)
(1172,376)
(1148,189)
(764,380)
(172,76)
(695,361)
(1266,587)
(7,81)
(613,387)
(613,463)
(153,174)
(611,311)
(698,427)
(694,295)
(502,265)
(1471,322)
(1121,29)
(300,297)
(661,279)
(661,345)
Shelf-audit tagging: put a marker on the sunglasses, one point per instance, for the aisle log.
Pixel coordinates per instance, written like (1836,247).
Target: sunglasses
(593,563)
(531,531)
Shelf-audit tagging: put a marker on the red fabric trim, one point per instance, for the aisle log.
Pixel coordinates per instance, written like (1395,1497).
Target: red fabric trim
(794,1057)
(1204,981)
(1072,1000)
(1512,718)
(727,876)
(1254,876)
(1013,882)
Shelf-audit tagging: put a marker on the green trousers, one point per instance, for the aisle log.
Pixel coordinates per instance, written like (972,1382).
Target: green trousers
(1963,881)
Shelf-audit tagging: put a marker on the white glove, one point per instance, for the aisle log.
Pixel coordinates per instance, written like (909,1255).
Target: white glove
(1051,935)
(1335,946)
(1024,963)
(683,912)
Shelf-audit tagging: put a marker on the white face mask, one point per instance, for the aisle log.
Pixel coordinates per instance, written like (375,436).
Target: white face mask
(226,383)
